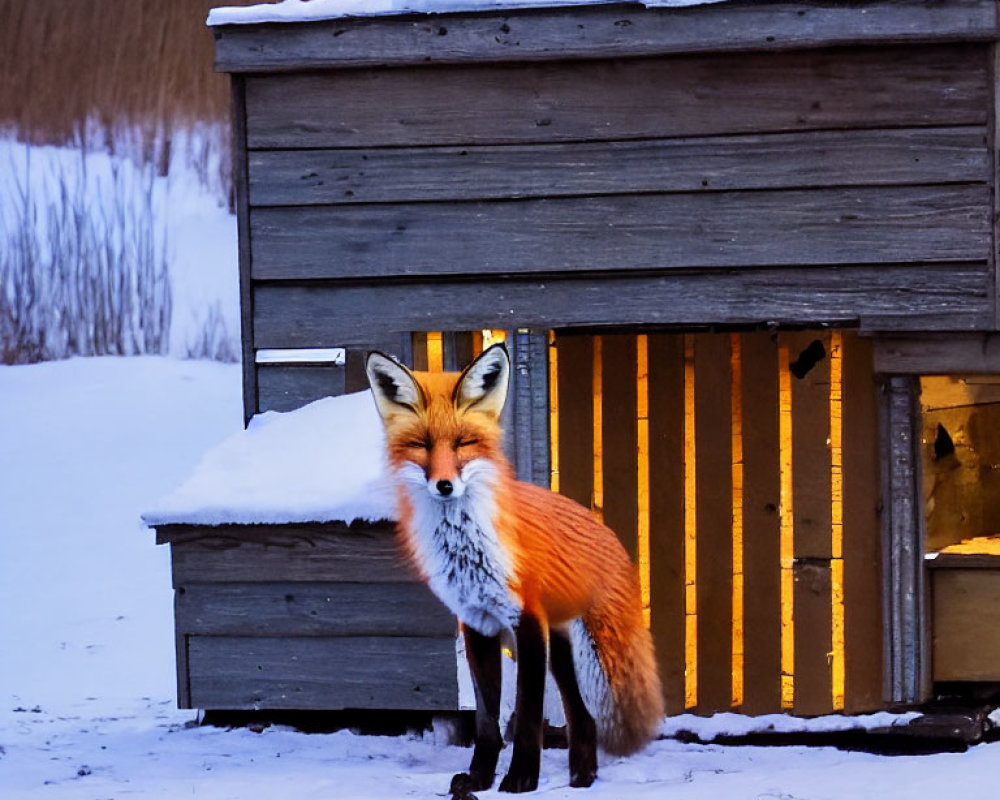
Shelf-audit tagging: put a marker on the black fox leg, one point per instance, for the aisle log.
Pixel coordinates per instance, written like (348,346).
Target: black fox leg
(580,727)
(531,657)
(483,653)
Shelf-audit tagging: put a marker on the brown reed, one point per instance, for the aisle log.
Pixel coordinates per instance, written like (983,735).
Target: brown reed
(140,64)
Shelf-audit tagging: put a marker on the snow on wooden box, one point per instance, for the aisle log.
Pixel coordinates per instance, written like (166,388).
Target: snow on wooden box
(287,594)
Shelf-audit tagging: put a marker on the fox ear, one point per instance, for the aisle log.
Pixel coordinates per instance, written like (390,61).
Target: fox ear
(396,390)
(483,385)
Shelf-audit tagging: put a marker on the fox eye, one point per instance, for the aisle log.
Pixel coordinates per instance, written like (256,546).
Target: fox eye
(419,444)
(466,442)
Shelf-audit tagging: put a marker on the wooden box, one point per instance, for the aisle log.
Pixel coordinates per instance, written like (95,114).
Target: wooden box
(307,616)
(966,616)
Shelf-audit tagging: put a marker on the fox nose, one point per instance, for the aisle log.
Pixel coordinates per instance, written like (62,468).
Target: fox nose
(445,488)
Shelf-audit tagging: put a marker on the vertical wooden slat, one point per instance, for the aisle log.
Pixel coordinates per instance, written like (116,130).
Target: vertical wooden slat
(529,399)
(464,348)
(761,526)
(862,553)
(621,487)
(575,417)
(811,491)
(666,511)
(714,507)
(905,624)
(419,346)
(449,351)
(736,439)
(241,190)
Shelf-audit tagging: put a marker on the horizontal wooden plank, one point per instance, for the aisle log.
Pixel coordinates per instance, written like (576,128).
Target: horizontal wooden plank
(286,387)
(640,98)
(943,297)
(952,354)
(625,232)
(275,534)
(966,624)
(944,561)
(614,31)
(393,672)
(231,556)
(311,609)
(773,161)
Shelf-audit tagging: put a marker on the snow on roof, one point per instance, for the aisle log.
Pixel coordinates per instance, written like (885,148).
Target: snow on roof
(320,463)
(312,10)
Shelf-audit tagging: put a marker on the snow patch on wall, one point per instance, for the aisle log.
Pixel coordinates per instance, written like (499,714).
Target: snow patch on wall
(312,10)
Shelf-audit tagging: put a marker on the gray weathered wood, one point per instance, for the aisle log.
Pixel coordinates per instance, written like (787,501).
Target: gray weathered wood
(906,641)
(943,297)
(287,387)
(530,399)
(991,143)
(642,98)
(394,672)
(771,161)
(626,232)
(311,609)
(617,31)
(241,193)
(286,553)
(938,353)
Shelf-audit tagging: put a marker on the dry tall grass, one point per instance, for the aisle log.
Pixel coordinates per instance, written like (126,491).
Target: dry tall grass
(142,65)
(82,268)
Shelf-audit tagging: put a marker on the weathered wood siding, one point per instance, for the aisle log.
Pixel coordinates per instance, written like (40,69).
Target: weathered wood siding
(611,166)
(824,185)
(286,617)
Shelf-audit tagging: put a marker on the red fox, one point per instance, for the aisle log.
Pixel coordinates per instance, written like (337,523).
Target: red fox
(504,556)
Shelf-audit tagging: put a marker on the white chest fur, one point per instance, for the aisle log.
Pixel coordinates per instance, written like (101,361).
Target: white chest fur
(458,549)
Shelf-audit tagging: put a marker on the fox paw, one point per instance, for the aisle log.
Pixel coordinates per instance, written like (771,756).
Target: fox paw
(517,783)
(463,785)
(583,778)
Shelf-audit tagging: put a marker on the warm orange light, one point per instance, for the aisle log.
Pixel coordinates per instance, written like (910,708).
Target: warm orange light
(490,338)
(642,466)
(690,533)
(597,496)
(553,413)
(435,351)
(786,545)
(837,516)
(736,429)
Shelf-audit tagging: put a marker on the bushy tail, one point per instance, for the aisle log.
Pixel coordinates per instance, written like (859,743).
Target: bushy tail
(616,670)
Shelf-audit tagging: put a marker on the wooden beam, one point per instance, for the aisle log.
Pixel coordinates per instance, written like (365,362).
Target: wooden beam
(904,603)
(241,192)
(815,159)
(642,98)
(530,398)
(794,228)
(947,354)
(602,31)
(289,672)
(311,609)
(945,297)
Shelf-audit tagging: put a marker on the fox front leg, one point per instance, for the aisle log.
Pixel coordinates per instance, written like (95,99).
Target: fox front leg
(483,653)
(532,653)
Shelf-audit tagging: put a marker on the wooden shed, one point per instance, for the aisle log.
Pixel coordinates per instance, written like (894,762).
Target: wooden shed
(726,242)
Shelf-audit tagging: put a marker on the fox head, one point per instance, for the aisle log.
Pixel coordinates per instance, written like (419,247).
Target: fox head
(443,429)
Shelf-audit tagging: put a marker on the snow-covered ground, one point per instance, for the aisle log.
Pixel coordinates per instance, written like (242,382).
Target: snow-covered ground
(86,652)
